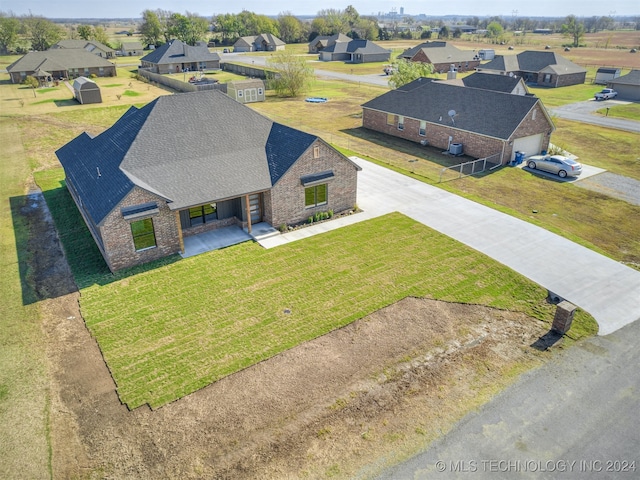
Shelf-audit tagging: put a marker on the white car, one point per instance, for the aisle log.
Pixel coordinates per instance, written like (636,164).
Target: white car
(558,164)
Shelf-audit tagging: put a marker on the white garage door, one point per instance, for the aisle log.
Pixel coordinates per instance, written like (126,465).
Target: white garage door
(529,145)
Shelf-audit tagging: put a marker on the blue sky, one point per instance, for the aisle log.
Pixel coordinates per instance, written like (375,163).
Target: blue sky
(132,9)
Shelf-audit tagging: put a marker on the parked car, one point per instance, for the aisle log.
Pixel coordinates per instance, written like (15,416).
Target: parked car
(606,94)
(558,164)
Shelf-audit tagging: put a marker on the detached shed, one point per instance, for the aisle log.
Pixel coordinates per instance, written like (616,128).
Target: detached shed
(246,91)
(604,75)
(86,91)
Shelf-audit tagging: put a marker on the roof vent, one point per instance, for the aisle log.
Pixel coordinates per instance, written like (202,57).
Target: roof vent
(98,170)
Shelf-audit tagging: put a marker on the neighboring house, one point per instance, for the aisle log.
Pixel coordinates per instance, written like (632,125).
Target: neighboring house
(265,42)
(61,63)
(132,49)
(545,69)
(499,83)
(193,162)
(442,55)
(484,122)
(355,51)
(627,86)
(246,91)
(176,56)
(86,91)
(323,41)
(90,46)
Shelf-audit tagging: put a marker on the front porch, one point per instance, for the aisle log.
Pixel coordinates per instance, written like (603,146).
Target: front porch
(225,237)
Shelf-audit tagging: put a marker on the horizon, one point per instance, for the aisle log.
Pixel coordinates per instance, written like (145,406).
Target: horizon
(124,10)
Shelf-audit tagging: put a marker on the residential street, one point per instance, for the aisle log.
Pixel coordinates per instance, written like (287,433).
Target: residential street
(584,112)
(575,417)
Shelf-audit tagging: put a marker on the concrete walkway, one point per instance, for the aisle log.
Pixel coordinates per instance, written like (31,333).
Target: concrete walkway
(603,287)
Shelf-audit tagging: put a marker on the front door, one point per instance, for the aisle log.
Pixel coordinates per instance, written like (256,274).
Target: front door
(255,208)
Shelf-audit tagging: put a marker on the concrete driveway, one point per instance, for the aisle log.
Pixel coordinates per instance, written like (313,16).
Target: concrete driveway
(608,290)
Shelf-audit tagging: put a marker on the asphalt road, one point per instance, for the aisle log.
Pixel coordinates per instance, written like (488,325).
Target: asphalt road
(585,112)
(575,417)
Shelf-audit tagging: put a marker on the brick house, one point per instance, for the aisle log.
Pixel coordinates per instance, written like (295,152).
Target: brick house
(545,69)
(355,51)
(442,55)
(176,56)
(265,42)
(61,63)
(321,42)
(484,122)
(193,162)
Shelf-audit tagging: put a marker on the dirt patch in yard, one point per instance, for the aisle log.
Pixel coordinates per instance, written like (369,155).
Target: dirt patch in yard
(362,395)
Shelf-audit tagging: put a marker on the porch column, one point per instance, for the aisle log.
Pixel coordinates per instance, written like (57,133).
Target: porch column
(247,208)
(180,237)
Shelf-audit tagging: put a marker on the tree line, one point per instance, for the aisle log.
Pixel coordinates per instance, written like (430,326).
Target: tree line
(31,32)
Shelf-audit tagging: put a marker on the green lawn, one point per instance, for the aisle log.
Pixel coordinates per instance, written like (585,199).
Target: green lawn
(169,329)
(630,111)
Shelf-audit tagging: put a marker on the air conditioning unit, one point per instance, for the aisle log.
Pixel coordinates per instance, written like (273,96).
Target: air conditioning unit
(455,149)
(424,142)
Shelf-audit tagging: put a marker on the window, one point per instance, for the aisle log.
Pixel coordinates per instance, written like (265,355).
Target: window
(239,93)
(547,77)
(203,214)
(144,236)
(423,128)
(391,119)
(400,122)
(316,195)
(316,151)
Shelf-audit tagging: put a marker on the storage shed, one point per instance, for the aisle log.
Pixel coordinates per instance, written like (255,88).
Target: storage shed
(86,91)
(605,74)
(246,91)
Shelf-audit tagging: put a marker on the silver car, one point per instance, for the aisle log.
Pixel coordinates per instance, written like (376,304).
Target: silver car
(561,166)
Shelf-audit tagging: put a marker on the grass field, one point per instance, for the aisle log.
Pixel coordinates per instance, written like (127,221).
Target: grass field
(189,323)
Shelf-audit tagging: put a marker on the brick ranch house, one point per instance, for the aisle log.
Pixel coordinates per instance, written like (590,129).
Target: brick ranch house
(61,63)
(442,55)
(485,122)
(192,162)
(176,56)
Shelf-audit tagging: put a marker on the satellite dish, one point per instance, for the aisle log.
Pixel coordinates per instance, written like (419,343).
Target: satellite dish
(452,113)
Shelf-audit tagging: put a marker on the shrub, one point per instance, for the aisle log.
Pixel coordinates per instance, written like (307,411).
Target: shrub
(283,228)
(330,213)
(310,219)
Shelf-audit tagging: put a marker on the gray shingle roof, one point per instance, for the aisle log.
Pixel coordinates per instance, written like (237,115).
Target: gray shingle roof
(631,78)
(440,52)
(356,46)
(190,148)
(484,112)
(92,165)
(488,81)
(88,45)
(57,59)
(532,61)
(326,40)
(175,51)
